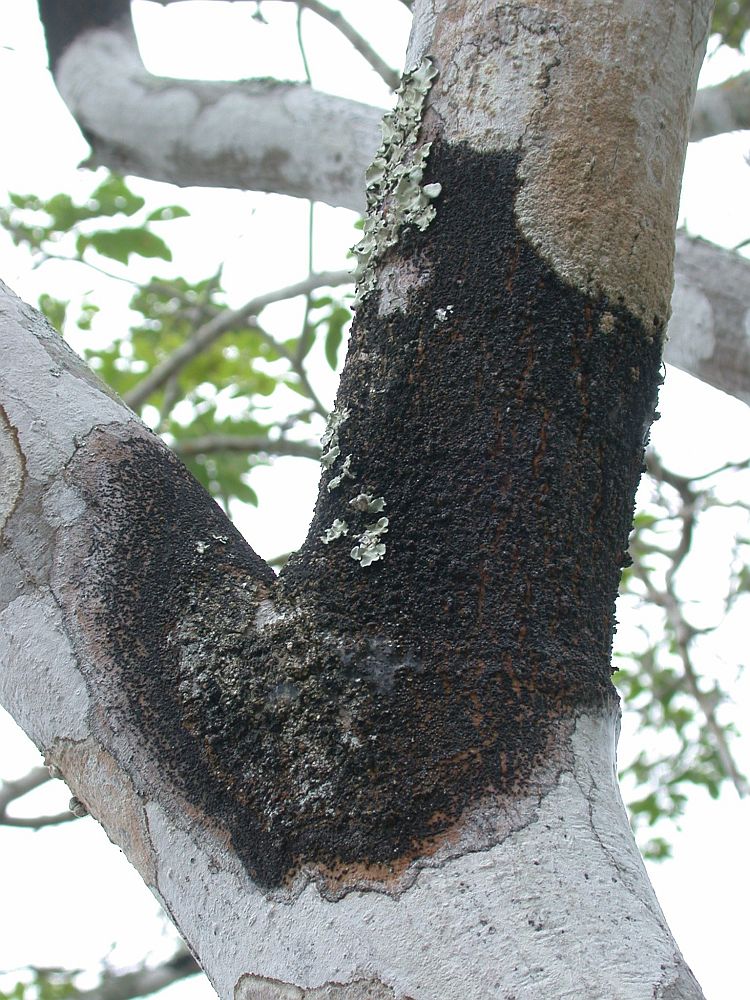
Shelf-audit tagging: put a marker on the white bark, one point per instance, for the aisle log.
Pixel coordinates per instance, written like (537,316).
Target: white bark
(515,919)
(261,135)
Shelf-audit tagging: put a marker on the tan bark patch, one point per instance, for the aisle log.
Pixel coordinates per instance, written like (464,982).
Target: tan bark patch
(97,779)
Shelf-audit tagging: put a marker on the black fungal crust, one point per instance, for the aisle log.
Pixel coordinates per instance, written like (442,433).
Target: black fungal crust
(502,418)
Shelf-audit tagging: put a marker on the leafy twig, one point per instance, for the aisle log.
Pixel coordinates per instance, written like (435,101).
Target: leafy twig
(222,323)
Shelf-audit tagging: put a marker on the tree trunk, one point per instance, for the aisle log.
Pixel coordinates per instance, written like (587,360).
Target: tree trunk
(390,771)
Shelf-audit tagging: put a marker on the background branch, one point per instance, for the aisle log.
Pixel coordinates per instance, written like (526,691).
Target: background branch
(391,77)
(188,447)
(11,791)
(223,323)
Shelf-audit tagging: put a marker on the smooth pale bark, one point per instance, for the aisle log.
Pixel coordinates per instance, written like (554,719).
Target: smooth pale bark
(289,139)
(725,107)
(709,332)
(390,772)
(257,135)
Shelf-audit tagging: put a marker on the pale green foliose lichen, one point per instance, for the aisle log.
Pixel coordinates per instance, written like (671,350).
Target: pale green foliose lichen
(329,441)
(367,503)
(329,457)
(337,529)
(395,193)
(369,548)
(331,433)
(345,473)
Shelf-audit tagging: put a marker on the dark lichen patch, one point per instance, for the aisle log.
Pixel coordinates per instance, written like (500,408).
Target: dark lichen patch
(346,718)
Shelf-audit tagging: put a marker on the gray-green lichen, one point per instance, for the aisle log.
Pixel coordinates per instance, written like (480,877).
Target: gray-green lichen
(369,548)
(329,441)
(345,473)
(337,529)
(395,193)
(367,503)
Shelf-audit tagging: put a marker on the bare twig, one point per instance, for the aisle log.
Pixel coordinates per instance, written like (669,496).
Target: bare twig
(391,78)
(249,445)
(301,44)
(10,791)
(44,257)
(297,366)
(682,630)
(223,323)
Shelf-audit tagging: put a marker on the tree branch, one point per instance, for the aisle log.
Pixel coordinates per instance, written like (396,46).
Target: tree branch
(724,107)
(709,332)
(224,322)
(144,981)
(127,985)
(683,633)
(231,442)
(260,135)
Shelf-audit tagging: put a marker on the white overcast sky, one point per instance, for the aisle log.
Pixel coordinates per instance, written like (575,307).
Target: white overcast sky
(68,895)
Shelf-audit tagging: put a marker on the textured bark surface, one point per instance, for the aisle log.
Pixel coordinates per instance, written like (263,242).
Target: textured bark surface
(390,771)
(508,457)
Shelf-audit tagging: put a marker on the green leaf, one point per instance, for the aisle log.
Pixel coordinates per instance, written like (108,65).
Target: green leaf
(119,244)
(731,20)
(54,309)
(63,213)
(305,342)
(86,315)
(338,319)
(114,197)
(167,213)
(25,201)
